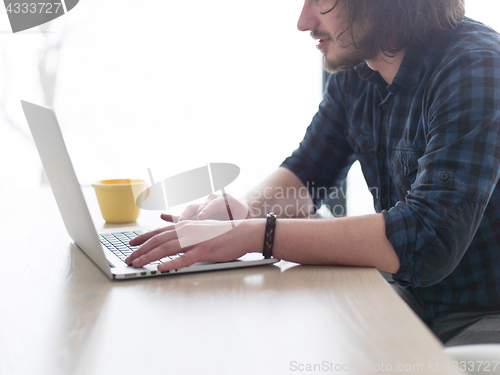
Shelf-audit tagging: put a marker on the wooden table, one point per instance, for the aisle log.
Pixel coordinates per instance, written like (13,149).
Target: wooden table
(61,315)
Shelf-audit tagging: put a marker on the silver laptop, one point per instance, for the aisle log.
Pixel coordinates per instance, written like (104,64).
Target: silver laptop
(102,248)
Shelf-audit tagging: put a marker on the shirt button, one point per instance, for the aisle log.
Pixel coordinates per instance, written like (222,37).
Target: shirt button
(356,149)
(384,201)
(444,176)
(384,107)
(382,153)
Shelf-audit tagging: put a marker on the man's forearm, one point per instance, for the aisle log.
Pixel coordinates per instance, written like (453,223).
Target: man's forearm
(282,193)
(352,241)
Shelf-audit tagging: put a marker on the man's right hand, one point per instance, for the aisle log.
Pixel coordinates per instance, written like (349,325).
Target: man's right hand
(216,208)
(267,196)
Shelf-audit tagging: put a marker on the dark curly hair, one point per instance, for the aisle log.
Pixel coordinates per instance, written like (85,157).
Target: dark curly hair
(397,24)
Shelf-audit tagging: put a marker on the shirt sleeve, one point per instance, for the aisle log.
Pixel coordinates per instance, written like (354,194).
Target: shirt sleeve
(324,156)
(432,229)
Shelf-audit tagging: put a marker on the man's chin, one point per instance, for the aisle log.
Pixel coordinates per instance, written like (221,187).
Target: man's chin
(340,65)
(347,61)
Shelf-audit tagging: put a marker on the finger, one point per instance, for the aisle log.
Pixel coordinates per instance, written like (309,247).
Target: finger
(185,260)
(202,207)
(166,248)
(155,240)
(170,218)
(210,199)
(210,208)
(139,240)
(188,213)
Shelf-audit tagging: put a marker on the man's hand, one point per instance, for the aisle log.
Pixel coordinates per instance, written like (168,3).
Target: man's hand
(216,207)
(244,238)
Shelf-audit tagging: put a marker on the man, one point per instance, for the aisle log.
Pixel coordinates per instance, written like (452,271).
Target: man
(415,97)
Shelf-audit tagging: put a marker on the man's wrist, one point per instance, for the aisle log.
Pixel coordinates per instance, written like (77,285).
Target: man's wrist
(253,213)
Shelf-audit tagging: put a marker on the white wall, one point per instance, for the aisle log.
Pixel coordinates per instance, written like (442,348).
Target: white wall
(169,86)
(164,85)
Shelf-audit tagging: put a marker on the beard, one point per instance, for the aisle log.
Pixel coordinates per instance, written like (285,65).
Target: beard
(347,61)
(351,54)
(342,63)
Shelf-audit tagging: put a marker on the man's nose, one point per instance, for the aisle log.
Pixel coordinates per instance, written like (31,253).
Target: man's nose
(308,19)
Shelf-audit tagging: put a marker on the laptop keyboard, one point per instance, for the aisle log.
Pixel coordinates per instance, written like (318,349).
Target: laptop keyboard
(118,244)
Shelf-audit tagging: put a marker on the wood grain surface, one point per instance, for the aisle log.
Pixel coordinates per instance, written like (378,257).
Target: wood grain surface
(61,315)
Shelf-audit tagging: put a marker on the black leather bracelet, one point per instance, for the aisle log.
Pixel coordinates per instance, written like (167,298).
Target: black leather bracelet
(269,235)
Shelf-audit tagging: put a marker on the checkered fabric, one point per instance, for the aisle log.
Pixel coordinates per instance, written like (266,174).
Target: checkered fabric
(429,148)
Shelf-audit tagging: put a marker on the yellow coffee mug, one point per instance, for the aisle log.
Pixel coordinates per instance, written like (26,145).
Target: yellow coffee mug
(117,199)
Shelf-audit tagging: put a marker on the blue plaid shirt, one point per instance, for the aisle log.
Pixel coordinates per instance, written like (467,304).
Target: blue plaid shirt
(429,148)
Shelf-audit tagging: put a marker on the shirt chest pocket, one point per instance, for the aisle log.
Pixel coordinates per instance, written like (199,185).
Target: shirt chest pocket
(404,170)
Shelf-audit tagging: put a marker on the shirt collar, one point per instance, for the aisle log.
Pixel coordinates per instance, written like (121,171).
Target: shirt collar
(367,74)
(413,67)
(416,61)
